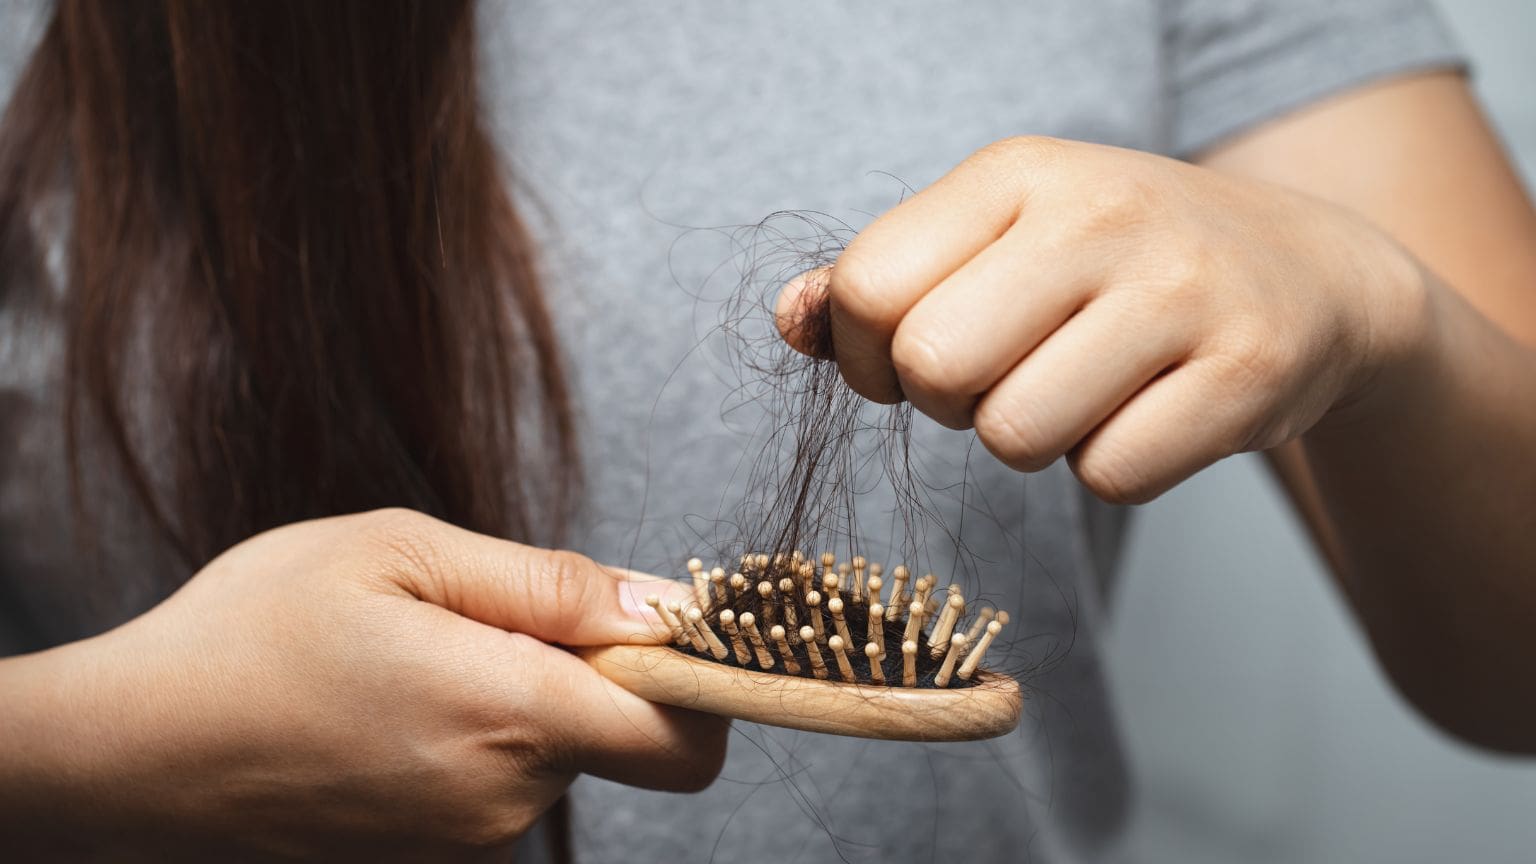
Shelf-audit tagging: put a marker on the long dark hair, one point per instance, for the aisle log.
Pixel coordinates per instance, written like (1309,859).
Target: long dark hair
(289,244)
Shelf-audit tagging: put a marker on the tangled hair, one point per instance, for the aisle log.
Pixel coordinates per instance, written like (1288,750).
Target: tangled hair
(294,283)
(825,470)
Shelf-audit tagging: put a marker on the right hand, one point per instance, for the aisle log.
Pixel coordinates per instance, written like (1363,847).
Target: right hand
(381,683)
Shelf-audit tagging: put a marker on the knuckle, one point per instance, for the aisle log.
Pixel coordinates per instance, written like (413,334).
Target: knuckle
(1250,361)
(561,586)
(1031,147)
(391,521)
(1012,165)
(1014,434)
(1110,473)
(861,288)
(393,518)
(1117,203)
(404,538)
(920,363)
(1175,271)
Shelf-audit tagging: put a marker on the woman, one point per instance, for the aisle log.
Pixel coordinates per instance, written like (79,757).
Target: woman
(285,283)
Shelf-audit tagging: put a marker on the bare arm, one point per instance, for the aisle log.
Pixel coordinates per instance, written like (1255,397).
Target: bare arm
(1423,495)
(1144,318)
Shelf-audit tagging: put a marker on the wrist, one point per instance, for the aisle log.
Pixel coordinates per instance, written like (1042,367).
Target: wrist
(1401,332)
(62,756)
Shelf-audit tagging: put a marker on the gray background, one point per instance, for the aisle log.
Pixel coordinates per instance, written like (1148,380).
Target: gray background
(1259,726)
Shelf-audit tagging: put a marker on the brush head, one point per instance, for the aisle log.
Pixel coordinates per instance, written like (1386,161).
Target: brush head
(840,659)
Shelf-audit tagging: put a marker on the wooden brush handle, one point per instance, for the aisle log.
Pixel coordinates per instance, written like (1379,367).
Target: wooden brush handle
(989,708)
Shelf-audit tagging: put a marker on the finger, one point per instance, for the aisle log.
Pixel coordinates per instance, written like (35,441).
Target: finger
(604,730)
(968,332)
(904,254)
(802,316)
(1076,378)
(1177,425)
(555,596)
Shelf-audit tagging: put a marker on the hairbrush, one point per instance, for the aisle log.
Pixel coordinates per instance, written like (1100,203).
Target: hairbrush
(778,642)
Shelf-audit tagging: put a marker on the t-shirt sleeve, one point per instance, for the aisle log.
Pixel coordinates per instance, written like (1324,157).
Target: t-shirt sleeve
(1233,64)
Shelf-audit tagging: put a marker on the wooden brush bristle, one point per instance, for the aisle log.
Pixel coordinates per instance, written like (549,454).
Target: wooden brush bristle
(825,650)
(783,593)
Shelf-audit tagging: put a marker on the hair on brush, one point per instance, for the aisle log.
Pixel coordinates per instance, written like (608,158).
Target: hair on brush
(770,636)
(810,651)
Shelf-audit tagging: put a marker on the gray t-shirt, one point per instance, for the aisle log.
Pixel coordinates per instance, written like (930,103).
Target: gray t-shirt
(625,125)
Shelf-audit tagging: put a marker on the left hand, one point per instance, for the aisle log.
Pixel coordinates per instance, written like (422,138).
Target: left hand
(1140,315)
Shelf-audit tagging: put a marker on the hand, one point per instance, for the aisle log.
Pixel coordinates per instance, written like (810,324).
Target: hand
(380,684)
(1140,315)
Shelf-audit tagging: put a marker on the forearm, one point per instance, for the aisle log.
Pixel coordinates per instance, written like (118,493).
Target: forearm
(52,730)
(92,766)
(1429,488)
(1422,494)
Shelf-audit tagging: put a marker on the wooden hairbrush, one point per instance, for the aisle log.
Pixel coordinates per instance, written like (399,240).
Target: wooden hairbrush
(778,643)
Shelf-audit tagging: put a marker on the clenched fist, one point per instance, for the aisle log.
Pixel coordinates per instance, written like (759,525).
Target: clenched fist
(1140,315)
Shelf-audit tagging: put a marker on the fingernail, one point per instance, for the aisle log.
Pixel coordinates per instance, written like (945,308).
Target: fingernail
(632,597)
(636,587)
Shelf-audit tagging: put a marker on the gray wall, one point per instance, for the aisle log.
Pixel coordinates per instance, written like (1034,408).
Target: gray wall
(1259,726)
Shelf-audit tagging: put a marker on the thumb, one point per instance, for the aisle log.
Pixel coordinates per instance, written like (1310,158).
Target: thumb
(802,313)
(554,596)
